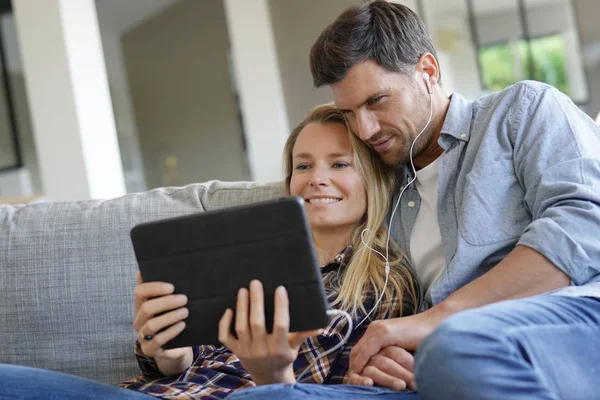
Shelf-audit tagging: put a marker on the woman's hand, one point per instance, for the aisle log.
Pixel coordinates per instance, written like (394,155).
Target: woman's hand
(154,298)
(268,358)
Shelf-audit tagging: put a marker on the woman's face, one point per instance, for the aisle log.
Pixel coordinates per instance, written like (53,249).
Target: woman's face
(324,175)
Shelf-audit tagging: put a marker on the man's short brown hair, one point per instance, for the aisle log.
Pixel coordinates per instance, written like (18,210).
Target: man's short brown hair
(390,34)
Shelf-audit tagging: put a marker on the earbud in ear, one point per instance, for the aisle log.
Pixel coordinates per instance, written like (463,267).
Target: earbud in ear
(427,83)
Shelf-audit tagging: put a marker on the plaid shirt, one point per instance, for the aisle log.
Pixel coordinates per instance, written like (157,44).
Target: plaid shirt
(216,372)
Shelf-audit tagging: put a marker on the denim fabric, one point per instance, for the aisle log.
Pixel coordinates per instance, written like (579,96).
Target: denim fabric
(521,166)
(24,383)
(544,347)
(318,392)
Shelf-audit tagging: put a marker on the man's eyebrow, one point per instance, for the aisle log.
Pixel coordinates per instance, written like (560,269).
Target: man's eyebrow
(379,93)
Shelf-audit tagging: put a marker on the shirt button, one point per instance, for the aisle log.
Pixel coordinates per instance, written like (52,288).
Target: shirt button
(463,136)
(411,204)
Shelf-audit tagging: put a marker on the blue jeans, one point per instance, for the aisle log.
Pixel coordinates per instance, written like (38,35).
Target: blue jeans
(24,383)
(544,347)
(301,391)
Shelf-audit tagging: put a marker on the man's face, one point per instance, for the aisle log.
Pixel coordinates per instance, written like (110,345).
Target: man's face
(386,110)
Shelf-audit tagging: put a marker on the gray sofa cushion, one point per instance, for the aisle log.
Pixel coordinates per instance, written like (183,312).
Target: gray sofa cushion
(67,273)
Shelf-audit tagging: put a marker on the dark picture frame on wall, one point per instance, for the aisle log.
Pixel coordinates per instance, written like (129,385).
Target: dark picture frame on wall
(10,149)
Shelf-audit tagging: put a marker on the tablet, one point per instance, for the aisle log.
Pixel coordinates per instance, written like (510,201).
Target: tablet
(209,256)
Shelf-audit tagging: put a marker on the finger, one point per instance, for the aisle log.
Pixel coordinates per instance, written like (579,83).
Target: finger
(391,368)
(380,378)
(150,308)
(241,316)
(356,379)
(145,291)
(257,310)
(153,347)
(159,323)
(281,316)
(153,289)
(296,339)
(225,336)
(413,385)
(400,356)
(138,278)
(370,344)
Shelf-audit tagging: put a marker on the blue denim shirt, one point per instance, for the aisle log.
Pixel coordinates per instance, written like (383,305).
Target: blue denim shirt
(520,167)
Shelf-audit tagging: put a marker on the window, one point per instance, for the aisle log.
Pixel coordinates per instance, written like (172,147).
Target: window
(528,39)
(507,63)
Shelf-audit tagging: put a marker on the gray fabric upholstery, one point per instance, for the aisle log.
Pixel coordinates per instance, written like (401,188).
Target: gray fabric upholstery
(67,273)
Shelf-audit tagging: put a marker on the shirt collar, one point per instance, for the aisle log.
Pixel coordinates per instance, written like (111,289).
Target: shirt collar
(457,126)
(338,261)
(457,123)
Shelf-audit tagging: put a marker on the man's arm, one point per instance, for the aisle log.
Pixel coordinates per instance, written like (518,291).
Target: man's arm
(556,161)
(523,273)
(536,275)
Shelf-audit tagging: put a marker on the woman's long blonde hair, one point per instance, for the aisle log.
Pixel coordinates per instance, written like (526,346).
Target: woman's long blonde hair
(366,268)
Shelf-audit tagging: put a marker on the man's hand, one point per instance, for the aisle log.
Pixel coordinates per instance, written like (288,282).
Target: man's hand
(536,274)
(406,332)
(381,357)
(392,367)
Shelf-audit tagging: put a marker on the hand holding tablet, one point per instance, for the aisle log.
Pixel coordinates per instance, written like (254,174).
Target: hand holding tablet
(209,256)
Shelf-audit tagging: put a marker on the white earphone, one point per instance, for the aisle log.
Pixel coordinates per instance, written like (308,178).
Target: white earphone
(427,83)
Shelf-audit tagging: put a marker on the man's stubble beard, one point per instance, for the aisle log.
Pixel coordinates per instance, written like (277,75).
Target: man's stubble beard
(400,154)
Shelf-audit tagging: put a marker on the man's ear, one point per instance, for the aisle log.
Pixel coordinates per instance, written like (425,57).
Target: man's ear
(428,64)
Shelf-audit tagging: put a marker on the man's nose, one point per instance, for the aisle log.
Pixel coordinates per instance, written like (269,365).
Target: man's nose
(366,126)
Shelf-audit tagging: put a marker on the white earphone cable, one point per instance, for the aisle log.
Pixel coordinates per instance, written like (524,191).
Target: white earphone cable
(386,257)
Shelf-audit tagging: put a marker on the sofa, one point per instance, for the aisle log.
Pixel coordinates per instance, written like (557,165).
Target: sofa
(67,274)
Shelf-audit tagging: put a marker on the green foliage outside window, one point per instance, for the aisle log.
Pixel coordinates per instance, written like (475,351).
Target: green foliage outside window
(507,63)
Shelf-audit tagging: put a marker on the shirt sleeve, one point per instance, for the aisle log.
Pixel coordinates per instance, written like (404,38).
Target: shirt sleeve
(557,160)
(147,365)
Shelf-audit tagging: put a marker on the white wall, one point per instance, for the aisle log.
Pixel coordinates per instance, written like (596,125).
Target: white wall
(69,99)
(297,25)
(183,100)
(131,156)
(255,72)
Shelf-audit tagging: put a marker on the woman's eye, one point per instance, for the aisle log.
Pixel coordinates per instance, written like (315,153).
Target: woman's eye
(340,165)
(301,167)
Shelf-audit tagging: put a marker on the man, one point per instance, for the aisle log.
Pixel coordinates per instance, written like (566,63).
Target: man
(505,206)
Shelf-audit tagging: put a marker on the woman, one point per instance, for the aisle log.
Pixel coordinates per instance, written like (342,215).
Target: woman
(346,191)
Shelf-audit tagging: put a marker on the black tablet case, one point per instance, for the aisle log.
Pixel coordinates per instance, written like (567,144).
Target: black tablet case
(210,255)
